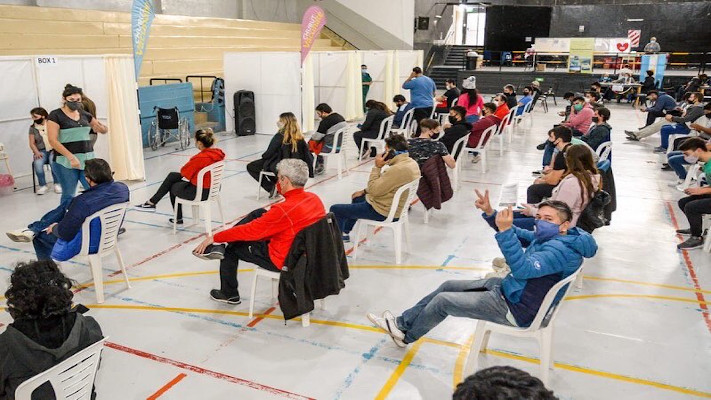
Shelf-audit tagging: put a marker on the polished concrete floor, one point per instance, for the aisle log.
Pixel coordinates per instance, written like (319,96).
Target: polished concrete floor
(639,329)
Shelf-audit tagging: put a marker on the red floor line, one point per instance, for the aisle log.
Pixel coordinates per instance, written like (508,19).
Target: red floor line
(260,318)
(207,372)
(692,273)
(166,387)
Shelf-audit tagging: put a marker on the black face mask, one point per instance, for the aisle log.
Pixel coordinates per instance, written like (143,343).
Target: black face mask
(74,105)
(39,121)
(595,119)
(452,120)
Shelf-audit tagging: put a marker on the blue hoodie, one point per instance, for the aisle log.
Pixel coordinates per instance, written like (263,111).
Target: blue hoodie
(535,270)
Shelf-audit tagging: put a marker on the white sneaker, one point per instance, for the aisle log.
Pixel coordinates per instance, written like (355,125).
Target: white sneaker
(387,323)
(476,159)
(57,189)
(21,235)
(41,190)
(675,183)
(681,188)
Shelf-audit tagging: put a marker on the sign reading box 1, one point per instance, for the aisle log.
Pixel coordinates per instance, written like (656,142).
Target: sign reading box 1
(46,61)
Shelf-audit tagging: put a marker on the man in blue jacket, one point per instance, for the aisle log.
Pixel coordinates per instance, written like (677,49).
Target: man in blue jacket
(556,250)
(58,234)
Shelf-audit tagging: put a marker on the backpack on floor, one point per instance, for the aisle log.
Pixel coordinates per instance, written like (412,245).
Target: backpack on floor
(593,216)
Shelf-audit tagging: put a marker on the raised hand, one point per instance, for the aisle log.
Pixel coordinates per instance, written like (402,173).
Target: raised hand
(504,219)
(483,203)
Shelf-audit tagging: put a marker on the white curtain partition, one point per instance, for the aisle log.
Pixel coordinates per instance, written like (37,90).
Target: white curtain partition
(354,87)
(39,81)
(125,142)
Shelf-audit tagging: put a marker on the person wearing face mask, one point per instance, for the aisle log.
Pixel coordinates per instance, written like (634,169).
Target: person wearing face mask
(402,106)
(560,137)
(42,150)
(599,133)
(183,184)
(445,100)
(502,108)
(487,121)
(457,128)
(678,125)
(374,202)
(367,81)
(68,130)
(422,148)
(676,159)
(581,117)
(555,251)
(288,142)
(652,47)
(527,98)
(322,139)
(263,237)
(698,201)
(510,93)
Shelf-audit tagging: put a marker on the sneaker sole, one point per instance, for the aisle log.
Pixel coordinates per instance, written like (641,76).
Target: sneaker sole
(18,238)
(210,256)
(144,209)
(234,303)
(692,247)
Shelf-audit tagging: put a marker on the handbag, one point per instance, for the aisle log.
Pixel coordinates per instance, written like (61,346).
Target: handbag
(593,215)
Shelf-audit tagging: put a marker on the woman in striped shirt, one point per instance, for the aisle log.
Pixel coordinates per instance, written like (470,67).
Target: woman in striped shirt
(68,132)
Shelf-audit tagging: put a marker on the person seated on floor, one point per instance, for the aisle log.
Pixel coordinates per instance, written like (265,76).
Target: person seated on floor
(374,202)
(502,109)
(445,100)
(698,201)
(183,184)
(580,118)
(560,137)
(422,148)
(370,128)
(46,329)
(555,251)
(510,93)
(57,235)
(502,383)
(264,237)
(322,139)
(678,125)
(402,107)
(527,98)
(663,105)
(288,142)
(599,133)
(456,128)
(488,120)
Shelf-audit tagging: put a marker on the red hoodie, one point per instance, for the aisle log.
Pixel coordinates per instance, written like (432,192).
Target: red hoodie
(199,161)
(279,225)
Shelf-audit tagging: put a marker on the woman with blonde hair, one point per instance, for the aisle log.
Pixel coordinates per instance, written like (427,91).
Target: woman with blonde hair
(288,142)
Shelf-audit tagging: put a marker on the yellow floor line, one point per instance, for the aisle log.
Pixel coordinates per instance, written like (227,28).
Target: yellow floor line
(662,285)
(642,296)
(395,376)
(458,374)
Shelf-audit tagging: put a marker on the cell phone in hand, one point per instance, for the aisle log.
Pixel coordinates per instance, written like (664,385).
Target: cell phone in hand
(389,155)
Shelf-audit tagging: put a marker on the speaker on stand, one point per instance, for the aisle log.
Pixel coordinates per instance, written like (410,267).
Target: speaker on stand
(245,123)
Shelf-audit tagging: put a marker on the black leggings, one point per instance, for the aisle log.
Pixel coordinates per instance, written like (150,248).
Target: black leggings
(694,207)
(177,187)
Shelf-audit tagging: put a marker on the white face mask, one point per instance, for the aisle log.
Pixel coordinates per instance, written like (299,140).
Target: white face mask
(691,159)
(280,124)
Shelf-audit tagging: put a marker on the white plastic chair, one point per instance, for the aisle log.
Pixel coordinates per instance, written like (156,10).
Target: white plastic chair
(215,170)
(262,174)
(338,151)
(706,224)
(503,125)
(524,117)
(672,138)
(541,329)
(71,379)
(274,276)
(603,151)
(385,127)
(457,152)
(110,219)
(405,123)
(397,226)
(511,123)
(693,173)
(481,146)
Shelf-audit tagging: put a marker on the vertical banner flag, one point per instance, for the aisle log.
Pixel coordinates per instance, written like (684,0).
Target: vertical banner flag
(633,35)
(142,15)
(311,25)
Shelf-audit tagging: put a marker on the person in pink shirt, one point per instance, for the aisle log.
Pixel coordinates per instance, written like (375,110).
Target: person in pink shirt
(580,117)
(473,102)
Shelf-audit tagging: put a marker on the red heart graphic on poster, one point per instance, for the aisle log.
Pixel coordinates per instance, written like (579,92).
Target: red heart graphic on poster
(622,46)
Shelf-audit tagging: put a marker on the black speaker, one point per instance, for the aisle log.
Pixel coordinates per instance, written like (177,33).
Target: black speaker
(244,113)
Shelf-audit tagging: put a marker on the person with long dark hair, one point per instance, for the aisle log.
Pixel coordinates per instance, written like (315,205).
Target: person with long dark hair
(41,150)
(45,330)
(370,128)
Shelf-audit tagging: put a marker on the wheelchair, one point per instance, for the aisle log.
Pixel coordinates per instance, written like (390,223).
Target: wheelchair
(168,125)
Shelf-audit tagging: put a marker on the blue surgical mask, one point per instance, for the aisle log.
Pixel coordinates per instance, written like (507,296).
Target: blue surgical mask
(545,230)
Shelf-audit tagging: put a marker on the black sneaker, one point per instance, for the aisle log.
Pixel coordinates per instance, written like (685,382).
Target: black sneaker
(693,242)
(145,207)
(686,231)
(212,252)
(320,169)
(666,167)
(121,231)
(541,146)
(180,221)
(537,173)
(217,295)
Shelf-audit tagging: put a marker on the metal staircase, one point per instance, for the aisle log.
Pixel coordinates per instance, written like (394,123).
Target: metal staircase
(454,61)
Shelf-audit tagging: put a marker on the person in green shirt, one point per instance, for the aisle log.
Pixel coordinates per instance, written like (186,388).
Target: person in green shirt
(367,81)
(698,201)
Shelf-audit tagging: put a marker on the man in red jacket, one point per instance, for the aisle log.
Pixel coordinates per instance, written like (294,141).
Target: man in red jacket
(264,237)
(489,119)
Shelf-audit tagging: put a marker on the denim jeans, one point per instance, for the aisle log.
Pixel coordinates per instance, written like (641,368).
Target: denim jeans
(68,180)
(667,130)
(348,214)
(481,299)
(472,118)
(39,167)
(548,153)
(43,241)
(675,159)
